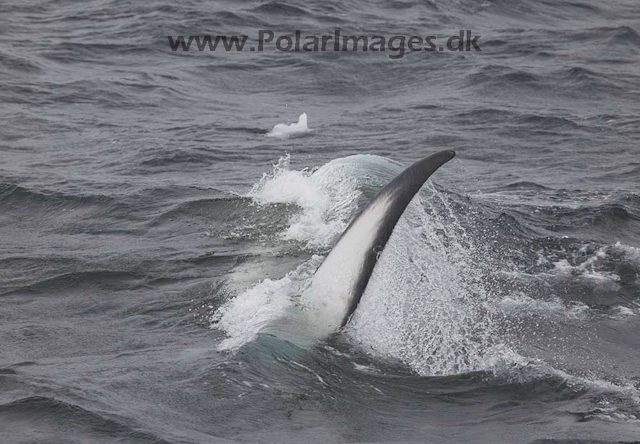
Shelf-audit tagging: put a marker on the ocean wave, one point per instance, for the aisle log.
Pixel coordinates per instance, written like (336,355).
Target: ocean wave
(328,197)
(503,75)
(113,280)
(54,414)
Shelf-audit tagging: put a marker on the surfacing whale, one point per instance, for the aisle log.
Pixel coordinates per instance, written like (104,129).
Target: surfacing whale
(338,284)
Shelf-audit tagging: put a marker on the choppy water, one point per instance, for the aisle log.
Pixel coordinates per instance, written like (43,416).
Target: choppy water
(148,242)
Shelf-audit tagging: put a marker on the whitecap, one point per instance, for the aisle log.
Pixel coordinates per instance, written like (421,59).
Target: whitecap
(282,131)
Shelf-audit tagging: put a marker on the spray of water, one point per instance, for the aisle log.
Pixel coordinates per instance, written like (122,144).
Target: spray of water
(426,303)
(327,198)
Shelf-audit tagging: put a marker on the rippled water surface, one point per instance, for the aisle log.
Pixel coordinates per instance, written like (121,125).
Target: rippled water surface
(154,241)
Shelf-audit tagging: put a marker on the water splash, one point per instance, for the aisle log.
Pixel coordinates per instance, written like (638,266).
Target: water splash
(426,303)
(257,308)
(327,199)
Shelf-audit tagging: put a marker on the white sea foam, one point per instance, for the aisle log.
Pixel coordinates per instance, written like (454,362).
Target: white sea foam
(521,305)
(592,267)
(588,264)
(587,269)
(365,368)
(283,185)
(612,414)
(282,131)
(620,312)
(249,313)
(327,199)
(631,254)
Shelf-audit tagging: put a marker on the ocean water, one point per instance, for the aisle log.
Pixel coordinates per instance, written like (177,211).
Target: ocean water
(154,239)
